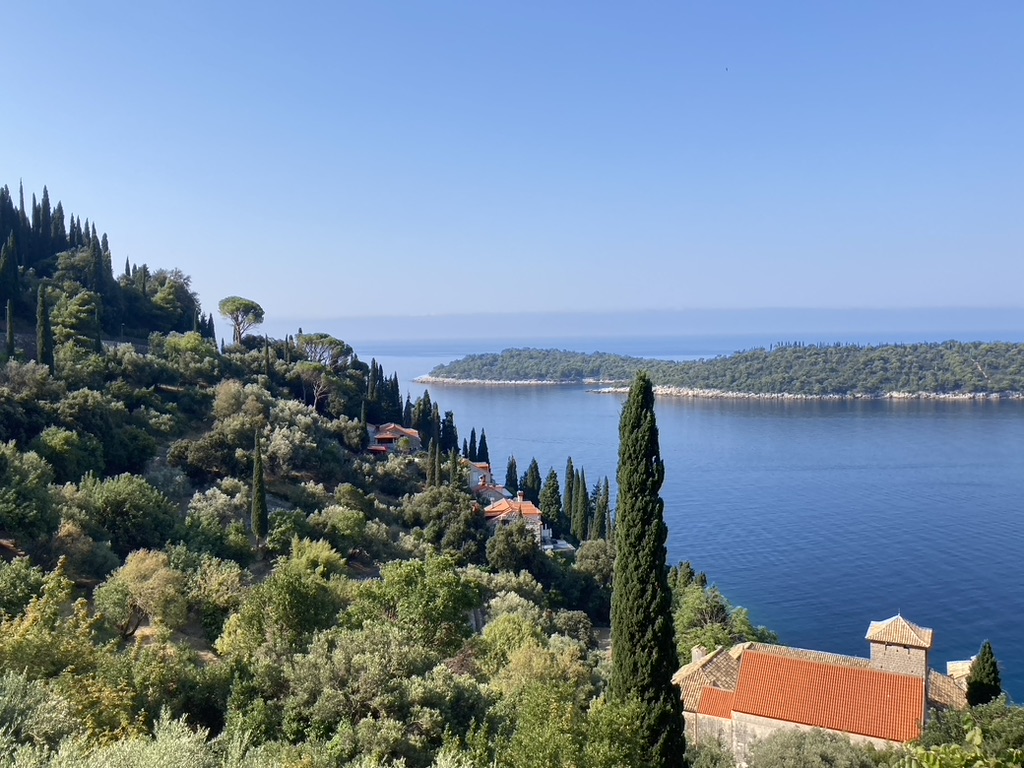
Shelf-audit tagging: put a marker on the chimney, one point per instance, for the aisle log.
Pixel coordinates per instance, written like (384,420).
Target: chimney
(521,497)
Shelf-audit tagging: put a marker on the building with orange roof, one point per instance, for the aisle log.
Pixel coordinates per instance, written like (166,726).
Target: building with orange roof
(507,511)
(754,689)
(387,438)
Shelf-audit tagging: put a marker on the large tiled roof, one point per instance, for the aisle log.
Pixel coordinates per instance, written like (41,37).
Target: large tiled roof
(839,697)
(510,508)
(397,429)
(821,657)
(899,631)
(716,702)
(944,693)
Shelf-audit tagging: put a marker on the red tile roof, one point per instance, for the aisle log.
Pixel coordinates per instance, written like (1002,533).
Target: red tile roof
(863,701)
(716,702)
(511,507)
(397,430)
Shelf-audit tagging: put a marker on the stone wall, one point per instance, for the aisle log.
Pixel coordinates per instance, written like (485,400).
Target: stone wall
(740,733)
(899,659)
(704,729)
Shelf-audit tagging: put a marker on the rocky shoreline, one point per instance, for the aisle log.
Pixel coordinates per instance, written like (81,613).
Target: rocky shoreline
(721,394)
(500,383)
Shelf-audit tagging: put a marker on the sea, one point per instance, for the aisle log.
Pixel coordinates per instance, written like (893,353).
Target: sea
(818,517)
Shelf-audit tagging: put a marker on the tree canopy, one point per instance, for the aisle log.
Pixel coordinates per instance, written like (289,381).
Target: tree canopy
(243,314)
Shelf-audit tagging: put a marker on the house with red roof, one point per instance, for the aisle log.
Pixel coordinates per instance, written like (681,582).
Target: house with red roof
(749,691)
(390,437)
(507,511)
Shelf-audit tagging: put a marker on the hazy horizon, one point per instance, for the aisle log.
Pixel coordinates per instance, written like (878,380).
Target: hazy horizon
(790,323)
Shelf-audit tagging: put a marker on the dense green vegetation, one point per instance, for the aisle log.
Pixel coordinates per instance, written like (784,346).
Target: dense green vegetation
(49,256)
(951,367)
(201,565)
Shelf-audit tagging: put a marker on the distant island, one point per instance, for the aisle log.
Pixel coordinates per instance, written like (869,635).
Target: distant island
(950,369)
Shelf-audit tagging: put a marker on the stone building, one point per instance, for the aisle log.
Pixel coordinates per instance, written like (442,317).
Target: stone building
(749,691)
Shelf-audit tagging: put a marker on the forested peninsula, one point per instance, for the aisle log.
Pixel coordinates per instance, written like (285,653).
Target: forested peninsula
(948,369)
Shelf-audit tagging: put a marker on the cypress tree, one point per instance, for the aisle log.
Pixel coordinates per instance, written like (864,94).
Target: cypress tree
(471,450)
(9,346)
(436,448)
(551,502)
(482,454)
(435,423)
(596,529)
(609,532)
(45,224)
(643,642)
(407,412)
(44,334)
(512,476)
(260,517)
(453,466)
(567,499)
(58,230)
(465,449)
(580,506)
(430,467)
(448,434)
(983,682)
(266,357)
(530,482)
(9,280)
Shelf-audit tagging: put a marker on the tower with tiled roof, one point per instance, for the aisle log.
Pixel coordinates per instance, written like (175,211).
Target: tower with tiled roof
(900,646)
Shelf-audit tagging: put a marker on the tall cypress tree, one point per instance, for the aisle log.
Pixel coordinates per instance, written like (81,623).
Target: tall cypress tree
(580,506)
(551,502)
(600,506)
(530,482)
(606,503)
(482,454)
(430,467)
(260,517)
(983,681)
(44,334)
(9,281)
(512,476)
(436,448)
(643,642)
(448,434)
(568,498)
(454,473)
(471,448)
(9,346)
(58,230)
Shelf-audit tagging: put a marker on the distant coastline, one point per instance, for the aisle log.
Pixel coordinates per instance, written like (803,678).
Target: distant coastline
(612,388)
(948,370)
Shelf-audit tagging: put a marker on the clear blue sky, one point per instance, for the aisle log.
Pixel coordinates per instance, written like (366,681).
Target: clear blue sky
(337,159)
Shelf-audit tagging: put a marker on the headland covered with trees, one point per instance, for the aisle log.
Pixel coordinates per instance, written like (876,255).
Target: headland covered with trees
(201,564)
(948,369)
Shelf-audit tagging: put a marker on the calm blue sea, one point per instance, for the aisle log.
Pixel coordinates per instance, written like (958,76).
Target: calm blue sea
(817,517)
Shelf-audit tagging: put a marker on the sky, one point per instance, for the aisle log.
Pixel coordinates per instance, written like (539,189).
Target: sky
(343,159)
